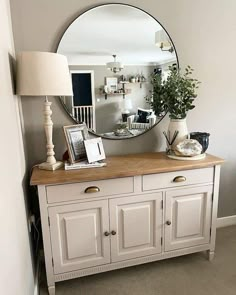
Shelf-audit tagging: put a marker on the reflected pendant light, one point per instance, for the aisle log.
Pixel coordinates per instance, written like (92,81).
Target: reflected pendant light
(162,41)
(115,66)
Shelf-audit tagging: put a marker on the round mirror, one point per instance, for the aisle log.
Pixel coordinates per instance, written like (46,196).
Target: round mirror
(113,50)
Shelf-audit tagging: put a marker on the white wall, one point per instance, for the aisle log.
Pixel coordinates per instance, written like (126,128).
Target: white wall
(204,36)
(16,272)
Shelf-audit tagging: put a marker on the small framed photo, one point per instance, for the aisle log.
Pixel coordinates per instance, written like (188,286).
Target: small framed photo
(75,136)
(112,84)
(94,149)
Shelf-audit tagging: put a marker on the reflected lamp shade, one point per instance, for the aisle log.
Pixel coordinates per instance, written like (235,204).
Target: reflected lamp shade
(115,66)
(43,74)
(128,104)
(162,40)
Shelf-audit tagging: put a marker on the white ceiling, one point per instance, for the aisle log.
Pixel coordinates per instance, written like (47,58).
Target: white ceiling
(118,29)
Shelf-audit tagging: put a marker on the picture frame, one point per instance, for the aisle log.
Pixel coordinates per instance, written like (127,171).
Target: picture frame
(94,150)
(75,136)
(112,84)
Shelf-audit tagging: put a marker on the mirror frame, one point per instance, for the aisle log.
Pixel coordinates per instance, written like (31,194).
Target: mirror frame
(129,5)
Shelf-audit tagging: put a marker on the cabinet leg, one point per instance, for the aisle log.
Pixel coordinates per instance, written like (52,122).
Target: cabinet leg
(51,290)
(210,254)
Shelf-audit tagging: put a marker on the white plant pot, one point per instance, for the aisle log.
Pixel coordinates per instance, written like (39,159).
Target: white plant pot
(180,126)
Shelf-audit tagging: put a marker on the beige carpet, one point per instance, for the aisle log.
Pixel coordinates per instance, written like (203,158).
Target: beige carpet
(186,275)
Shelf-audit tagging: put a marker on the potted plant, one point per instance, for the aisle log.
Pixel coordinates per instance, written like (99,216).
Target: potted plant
(175,95)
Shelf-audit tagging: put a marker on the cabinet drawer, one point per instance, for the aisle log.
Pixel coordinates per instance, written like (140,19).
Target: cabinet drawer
(75,191)
(178,178)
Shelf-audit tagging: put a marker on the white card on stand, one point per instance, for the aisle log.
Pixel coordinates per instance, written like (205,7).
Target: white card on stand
(94,149)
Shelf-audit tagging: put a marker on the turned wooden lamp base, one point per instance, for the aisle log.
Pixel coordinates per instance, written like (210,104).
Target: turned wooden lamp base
(47,166)
(51,163)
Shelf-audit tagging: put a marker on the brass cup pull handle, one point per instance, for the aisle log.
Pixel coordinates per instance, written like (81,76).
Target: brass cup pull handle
(106,234)
(92,189)
(179,179)
(113,232)
(168,222)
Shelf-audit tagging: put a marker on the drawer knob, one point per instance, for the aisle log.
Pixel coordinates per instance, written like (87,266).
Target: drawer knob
(113,232)
(168,222)
(179,179)
(92,189)
(106,234)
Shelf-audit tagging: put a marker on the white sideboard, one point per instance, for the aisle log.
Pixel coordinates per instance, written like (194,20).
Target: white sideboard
(138,209)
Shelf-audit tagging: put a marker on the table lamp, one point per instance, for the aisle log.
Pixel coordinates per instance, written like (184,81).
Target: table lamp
(44,74)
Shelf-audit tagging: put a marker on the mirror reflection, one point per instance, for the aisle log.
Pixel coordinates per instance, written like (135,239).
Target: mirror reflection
(112,51)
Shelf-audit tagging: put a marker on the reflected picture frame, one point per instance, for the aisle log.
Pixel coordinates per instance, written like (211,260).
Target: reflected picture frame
(111,84)
(75,136)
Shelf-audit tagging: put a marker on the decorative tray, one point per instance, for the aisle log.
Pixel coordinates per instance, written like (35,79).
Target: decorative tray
(183,158)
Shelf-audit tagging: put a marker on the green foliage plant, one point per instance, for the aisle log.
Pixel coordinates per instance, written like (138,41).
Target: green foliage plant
(175,95)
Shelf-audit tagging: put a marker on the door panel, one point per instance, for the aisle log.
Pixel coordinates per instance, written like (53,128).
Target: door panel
(77,234)
(187,217)
(137,222)
(84,225)
(137,215)
(183,207)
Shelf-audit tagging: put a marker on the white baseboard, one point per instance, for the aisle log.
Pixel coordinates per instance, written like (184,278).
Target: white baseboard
(226,221)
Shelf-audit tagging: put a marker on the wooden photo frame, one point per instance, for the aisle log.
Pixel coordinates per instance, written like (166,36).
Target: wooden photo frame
(75,136)
(94,150)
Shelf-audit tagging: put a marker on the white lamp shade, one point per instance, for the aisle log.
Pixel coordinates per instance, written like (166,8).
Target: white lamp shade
(128,104)
(162,38)
(115,64)
(43,74)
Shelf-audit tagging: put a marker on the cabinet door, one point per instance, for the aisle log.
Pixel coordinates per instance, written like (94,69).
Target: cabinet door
(135,225)
(187,218)
(77,235)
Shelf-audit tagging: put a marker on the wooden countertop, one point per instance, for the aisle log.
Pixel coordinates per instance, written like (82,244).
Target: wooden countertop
(121,166)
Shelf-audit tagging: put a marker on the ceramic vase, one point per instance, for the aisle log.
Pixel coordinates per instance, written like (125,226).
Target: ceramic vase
(180,126)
